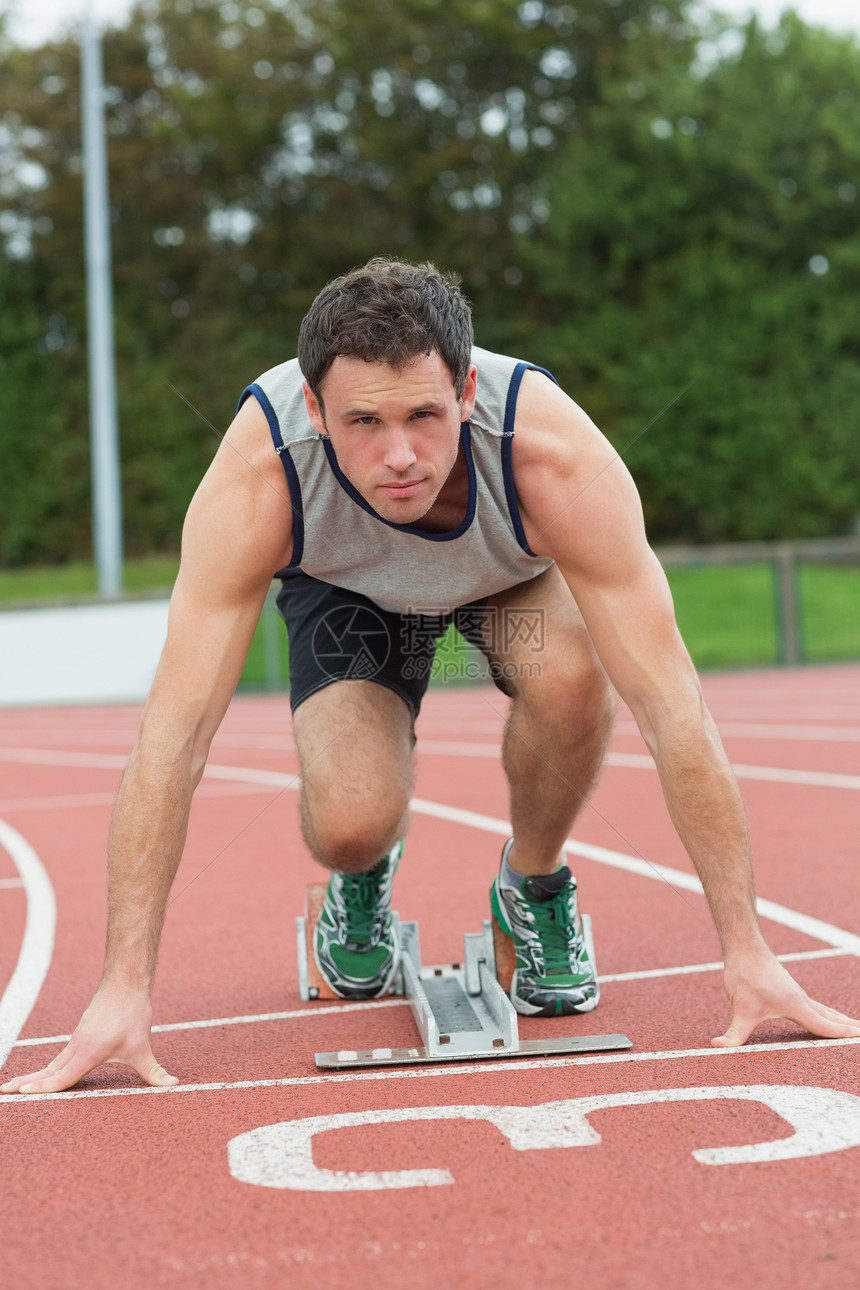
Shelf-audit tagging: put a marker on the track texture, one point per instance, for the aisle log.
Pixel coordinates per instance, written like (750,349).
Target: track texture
(115,1184)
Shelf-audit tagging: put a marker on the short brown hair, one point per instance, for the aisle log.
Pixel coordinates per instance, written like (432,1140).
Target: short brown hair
(390,312)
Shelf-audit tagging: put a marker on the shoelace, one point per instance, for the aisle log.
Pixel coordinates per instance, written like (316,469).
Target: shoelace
(360,894)
(557,932)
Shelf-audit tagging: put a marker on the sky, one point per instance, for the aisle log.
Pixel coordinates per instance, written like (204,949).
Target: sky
(33,21)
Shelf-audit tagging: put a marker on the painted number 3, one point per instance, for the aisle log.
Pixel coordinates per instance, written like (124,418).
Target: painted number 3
(281,1155)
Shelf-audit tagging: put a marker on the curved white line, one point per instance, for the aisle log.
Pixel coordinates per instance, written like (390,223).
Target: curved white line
(37,943)
(814,927)
(838,937)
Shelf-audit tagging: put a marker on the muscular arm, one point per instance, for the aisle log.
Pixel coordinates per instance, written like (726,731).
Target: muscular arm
(581,507)
(237,533)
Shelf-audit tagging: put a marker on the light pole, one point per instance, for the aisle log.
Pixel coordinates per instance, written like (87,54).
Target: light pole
(104,438)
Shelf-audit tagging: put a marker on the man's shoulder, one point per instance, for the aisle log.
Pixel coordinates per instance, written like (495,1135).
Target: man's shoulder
(280,393)
(495,373)
(283,378)
(492,360)
(500,377)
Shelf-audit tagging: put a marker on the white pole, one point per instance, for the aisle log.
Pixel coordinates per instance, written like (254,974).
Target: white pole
(104,449)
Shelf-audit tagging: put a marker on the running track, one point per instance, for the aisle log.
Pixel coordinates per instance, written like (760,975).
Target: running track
(673,1165)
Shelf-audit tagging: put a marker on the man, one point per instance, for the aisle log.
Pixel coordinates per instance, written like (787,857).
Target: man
(395,476)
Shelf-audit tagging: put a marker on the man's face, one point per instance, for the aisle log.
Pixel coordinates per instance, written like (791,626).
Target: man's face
(396,432)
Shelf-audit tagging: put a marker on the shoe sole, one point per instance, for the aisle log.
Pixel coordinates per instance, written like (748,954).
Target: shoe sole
(568,1009)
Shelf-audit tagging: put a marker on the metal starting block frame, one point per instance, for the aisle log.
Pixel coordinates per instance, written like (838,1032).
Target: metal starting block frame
(462,1010)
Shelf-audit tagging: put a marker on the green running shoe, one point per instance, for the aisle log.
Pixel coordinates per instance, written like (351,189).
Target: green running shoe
(554,976)
(356,947)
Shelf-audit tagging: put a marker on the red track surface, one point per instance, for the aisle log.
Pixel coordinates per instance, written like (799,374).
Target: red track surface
(108,1186)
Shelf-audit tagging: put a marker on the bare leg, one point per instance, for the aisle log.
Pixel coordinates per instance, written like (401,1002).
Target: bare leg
(355,743)
(559,723)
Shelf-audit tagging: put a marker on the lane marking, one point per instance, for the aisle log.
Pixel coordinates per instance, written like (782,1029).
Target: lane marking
(281,1155)
(49,757)
(445,748)
(433,1072)
(37,943)
(251,1019)
(814,927)
(329,1010)
(809,926)
(642,761)
(761,730)
(691,968)
(74,801)
(811,778)
(770,774)
(7,883)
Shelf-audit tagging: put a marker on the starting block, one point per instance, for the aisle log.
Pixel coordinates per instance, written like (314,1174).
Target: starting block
(462,1011)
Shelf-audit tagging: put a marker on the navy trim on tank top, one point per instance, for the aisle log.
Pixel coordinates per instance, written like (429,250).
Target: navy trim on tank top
(466,440)
(289,470)
(507,448)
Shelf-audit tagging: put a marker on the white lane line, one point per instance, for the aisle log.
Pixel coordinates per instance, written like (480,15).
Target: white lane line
(641,761)
(69,802)
(254,1018)
(111,761)
(771,774)
(37,943)
(761,730)
(50,757)
(6,884)
(329,1010)
(845,941)
(812,778)
(457,748)
(75,801)
(814,927)
(434,1072)
(442,748)
(692,968)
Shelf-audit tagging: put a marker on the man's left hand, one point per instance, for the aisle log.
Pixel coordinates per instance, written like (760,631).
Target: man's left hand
(760,989)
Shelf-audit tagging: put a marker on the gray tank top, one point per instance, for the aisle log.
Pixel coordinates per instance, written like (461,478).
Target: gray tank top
(339,538)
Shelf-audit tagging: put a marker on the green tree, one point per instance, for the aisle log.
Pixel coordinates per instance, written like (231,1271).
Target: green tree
(707,233)
(617,212)
(255,151)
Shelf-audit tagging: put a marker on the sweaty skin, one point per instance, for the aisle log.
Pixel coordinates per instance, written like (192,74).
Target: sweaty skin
(396,435)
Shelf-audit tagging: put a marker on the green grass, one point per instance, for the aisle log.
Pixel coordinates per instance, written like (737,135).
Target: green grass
(155,573)
(726,615)
(831,612)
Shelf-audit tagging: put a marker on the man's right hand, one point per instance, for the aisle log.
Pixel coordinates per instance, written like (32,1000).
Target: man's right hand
(114,1028)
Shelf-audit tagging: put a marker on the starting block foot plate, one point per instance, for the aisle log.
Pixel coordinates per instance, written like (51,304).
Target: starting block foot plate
(506,956)
(312,984)
(462,1011)
(349,1059)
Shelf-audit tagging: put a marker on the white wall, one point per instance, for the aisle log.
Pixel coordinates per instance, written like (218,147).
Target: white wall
(82,653)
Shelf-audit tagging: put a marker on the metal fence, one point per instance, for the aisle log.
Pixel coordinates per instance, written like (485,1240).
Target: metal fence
(792,614)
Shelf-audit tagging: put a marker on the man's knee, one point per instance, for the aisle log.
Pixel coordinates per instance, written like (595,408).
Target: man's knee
(352,835)
(355,745)
(567,683)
